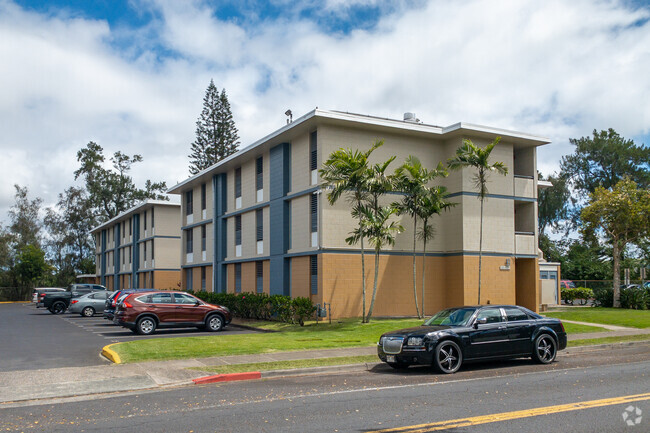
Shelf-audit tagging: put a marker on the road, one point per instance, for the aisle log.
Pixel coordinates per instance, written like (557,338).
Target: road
(568,394)
(32,339)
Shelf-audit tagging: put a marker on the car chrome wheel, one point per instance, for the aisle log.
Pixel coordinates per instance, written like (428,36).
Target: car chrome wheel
(146,326)
(215,323)
(448,357)
(545,349)
(88,312)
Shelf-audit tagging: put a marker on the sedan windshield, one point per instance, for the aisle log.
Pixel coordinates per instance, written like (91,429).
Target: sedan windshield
(451,317)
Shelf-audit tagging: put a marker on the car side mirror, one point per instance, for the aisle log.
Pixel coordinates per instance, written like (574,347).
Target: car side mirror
(481,321)
(197,303)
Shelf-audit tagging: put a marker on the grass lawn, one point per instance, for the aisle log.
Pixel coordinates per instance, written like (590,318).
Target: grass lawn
(345,333)
(608,340)
(574,328)
(609,316)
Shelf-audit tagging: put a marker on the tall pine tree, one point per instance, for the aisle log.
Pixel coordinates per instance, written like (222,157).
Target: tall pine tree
(216,134)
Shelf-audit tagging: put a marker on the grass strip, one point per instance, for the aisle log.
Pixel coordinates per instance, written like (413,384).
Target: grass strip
(345,333)
(609,316)
(575,328)
(608,340)
(287,365)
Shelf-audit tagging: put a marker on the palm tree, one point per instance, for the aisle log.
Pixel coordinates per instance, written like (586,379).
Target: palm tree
(411,179)
(380,232)
(471,155)
(346,172)
(432,202)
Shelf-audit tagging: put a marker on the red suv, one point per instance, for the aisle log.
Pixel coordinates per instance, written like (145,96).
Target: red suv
(142,313)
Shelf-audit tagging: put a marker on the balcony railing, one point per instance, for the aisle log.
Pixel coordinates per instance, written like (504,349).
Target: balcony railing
(525,243)
(524,187)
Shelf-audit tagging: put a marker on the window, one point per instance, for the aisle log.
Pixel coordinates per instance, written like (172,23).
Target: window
(123,229)
(203,237)
(152,250)
(144,251)
(493,315)
(182,298)
(189,202)
(203,278)
(189,242)
(203,197)
(188,280)
(515,314)
(238,230)
(129,255)
(123,256)
(259,170)
(259,276)
(313,213)
(313,147)
(145,220)
(238,182)
(166,298)
(237,277)
(259,222)
(129,227)
(313,273)
(152,220)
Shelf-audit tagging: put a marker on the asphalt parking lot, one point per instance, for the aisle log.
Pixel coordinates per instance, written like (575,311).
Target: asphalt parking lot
(32,339)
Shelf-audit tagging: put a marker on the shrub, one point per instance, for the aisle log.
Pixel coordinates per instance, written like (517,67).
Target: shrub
(569,295)
(262,306)
(635,298)
(604,297)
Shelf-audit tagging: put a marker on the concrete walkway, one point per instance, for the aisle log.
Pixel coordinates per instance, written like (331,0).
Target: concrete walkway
(21,387)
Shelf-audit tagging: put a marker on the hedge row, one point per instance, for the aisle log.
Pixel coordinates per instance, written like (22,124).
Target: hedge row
(570,295)
(262,306)
(635,298)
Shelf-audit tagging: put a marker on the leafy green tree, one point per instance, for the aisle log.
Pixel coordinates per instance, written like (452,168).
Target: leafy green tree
(604,160)
(380,231)
(411,179)
(346,173)
(553,203)
(478,158)
(622,213)
(26,224)
(112,191)
(432,202)
(584,260)
(69,225)
(216,134)
(30,266)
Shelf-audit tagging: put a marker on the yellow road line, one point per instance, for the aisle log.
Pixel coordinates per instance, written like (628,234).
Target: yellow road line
(505,416)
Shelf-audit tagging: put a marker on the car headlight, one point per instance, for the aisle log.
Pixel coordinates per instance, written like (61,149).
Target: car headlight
(415,341)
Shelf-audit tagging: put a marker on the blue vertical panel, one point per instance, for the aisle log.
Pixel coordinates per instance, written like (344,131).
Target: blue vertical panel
(219,235)
(279,185)
(135,251)
(103,259)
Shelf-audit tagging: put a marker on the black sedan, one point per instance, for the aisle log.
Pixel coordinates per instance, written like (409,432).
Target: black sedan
(461,334)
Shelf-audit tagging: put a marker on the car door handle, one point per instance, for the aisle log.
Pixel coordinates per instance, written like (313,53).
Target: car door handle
(502,327)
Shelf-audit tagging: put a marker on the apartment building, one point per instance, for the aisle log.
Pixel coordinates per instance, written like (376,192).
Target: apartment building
(139,248)
(259,220)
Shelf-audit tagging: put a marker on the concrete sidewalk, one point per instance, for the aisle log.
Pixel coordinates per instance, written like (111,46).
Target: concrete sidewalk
(24,386)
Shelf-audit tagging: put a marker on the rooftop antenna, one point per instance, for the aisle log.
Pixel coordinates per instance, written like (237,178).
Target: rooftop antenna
(289,116)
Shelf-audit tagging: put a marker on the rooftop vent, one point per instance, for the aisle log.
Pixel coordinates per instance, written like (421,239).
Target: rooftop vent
(410,117)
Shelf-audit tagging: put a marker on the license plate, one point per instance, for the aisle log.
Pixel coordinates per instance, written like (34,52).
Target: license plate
(390,358)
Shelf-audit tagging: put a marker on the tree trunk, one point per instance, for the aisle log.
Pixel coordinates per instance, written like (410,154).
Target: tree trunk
(415,292)
(424,269)
(363,283)
(480,253)
(617,274)
(374,289)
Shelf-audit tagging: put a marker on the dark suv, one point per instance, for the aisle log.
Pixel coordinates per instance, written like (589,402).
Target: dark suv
(144,312)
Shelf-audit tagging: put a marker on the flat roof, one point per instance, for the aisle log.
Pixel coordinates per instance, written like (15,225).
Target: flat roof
(174,200)
(304,121)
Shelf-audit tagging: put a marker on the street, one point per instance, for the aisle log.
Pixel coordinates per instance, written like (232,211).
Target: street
(380,399)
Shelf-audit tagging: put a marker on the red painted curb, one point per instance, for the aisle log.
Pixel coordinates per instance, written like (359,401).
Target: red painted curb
(228,377)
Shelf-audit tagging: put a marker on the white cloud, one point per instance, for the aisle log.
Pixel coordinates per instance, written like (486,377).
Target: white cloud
(554,68)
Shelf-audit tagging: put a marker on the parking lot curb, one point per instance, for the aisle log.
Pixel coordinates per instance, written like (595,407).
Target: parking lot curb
(251,375)
(110,354)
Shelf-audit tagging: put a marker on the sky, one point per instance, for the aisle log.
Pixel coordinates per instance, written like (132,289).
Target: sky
(130,75)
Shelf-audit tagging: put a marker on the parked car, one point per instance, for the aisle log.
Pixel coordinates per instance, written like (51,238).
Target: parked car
(567,284)
(40,292)
(142,313)
(58,302)
(114,299)
(90,303)
(461,334)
